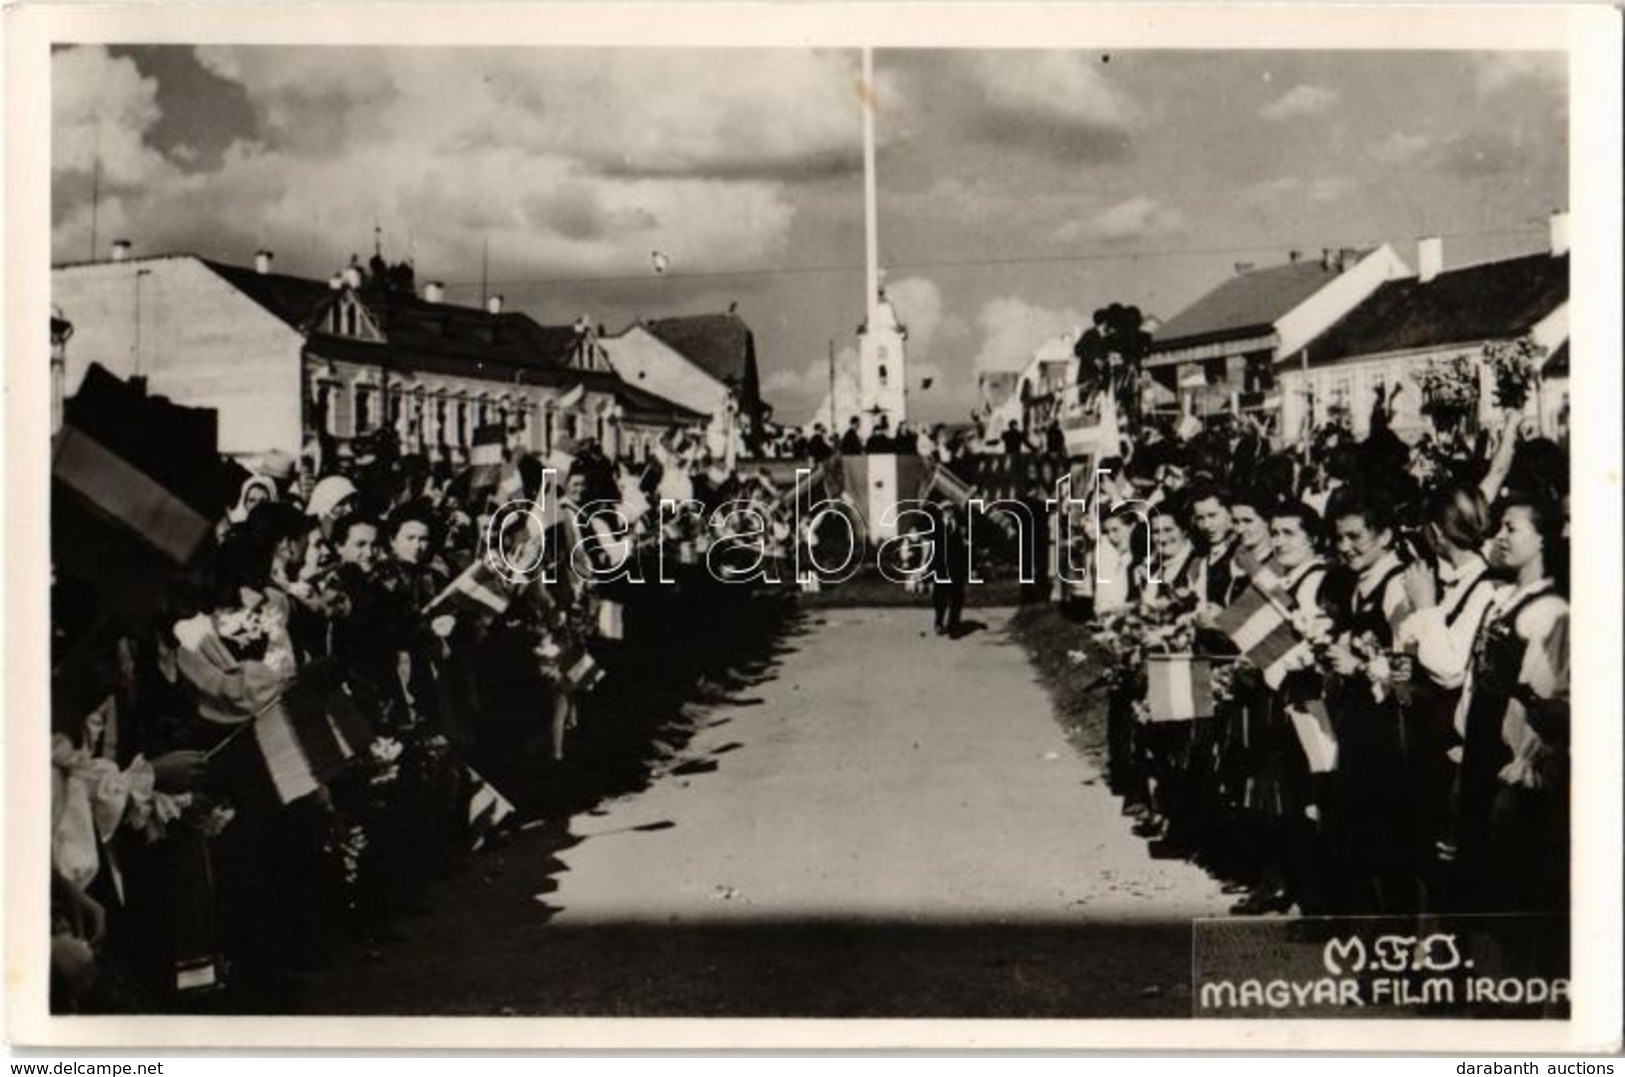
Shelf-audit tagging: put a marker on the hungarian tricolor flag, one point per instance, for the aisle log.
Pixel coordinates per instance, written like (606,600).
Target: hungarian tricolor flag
(487,808)
(478,589)
(1313,724)
(136,486)
(942,484)
(485,457)
(308,736)
(1179,687)
(1259,623)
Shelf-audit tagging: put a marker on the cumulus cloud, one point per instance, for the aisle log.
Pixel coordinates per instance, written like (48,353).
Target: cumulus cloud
(1266,193)
(1495,72)
(1480,154)
(1057,102)
(1135,219)
(1400,148)
(103,108)
(800,391)
(1302,100)
(576,161)
(1332,188)
(1012,329)
(918,303)
(800,395)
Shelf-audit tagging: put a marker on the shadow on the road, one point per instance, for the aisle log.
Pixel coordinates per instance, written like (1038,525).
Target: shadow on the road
(966,628)
(795,968)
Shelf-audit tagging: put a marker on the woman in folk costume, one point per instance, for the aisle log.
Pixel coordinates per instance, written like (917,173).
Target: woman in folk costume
(1371,816)
(256,490)
(1450,598)
(1167,581)
(1512,829)
(1280,789)
(1172,572)
(237,655)
(554,597)
(1251,552)
(238,659)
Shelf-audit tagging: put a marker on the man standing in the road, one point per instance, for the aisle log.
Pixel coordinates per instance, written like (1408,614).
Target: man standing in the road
(950,567)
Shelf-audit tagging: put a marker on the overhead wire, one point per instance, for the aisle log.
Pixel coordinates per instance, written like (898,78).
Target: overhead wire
(952,263)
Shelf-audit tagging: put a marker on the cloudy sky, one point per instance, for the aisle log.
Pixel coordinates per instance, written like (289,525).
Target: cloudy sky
(1018,191)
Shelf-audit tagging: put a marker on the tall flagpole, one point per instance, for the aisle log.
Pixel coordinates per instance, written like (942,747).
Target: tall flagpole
(870,228)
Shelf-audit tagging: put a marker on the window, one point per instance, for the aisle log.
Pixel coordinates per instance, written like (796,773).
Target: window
(324,408)
(363,409)
(351,320)
(883,370)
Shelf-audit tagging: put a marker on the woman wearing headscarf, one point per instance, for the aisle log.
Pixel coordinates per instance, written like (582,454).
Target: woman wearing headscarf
(256,490)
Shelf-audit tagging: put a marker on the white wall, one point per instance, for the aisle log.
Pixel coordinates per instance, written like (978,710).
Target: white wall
(202,343)
(649,363)
(1360,378)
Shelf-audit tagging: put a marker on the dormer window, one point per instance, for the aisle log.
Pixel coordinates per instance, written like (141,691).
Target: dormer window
(346,318)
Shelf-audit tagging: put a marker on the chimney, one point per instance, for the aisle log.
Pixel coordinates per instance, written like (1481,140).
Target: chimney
(1558,223)
(494,305)
(1294,256)
(1429,258)
(1325,258)
(262,262)
(335,282)
(352,276)
(434,292)
(121,249)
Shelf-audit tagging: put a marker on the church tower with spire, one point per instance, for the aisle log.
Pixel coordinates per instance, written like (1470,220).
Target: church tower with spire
(882,363)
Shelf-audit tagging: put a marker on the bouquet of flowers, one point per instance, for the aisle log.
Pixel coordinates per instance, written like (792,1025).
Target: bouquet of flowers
(1235,679)
(347,845)
(246,632)
(1449,390)
(1516,366)
(385,756)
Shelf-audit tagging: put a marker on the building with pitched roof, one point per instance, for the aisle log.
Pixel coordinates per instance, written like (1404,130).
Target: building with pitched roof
(703,362)
(1381,344)
(1220,353)
(285,359)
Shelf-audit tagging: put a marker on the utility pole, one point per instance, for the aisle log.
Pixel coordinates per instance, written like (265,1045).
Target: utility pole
(485,266)
(832,428)
(138,275)
(95,188)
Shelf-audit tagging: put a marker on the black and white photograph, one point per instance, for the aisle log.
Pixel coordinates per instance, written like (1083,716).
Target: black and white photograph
(1056,528)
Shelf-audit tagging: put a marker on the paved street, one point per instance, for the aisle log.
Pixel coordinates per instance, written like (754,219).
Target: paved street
(891,824)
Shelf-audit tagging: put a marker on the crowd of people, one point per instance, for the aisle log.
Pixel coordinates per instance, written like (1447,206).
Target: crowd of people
(1338,673)
(1338,678)
(344,694)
